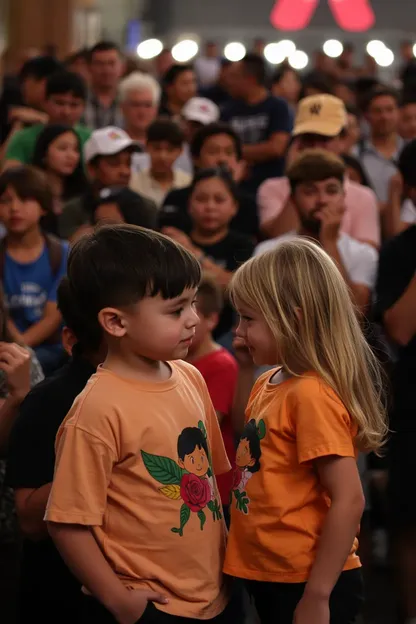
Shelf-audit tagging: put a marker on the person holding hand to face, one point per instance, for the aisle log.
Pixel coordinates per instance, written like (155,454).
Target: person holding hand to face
(316,179)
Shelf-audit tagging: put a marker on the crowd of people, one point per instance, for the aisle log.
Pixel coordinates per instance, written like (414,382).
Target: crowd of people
(232,171)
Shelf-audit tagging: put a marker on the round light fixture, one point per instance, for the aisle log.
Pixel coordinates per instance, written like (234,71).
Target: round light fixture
(375,47)
(274,54)
(384,58)
(333,48)
(298,60)
(149,49)
(234,51)
(185,50)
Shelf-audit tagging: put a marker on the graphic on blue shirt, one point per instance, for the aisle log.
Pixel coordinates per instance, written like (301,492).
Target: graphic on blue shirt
(29,286)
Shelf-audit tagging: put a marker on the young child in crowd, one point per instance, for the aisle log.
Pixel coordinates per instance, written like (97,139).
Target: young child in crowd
(165,141)
(32,264)
(297,497)
(220,250)
(46,585)
(220,371)
(134,507)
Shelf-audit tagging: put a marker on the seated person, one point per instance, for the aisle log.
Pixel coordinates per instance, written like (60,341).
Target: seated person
(219,369)
(65,98)
(32,264)
(164,145)
(316,180)
(119,206)
(219,249)
(47,587)
(108,155)
(320,122)
(58,153)
(214,145)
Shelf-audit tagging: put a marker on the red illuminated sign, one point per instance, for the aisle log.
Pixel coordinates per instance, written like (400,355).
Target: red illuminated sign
(351,15)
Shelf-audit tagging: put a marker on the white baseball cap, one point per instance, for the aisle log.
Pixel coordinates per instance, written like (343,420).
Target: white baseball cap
(108,141)
(201,110)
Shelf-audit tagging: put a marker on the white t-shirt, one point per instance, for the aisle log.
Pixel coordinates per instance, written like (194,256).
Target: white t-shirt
(408,211)
(360,259)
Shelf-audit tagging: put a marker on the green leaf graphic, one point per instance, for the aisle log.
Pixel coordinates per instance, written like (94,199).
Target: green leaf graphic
(184,517)
(261,429)
(211,506)
(163,469)
(201,426)
(202,518)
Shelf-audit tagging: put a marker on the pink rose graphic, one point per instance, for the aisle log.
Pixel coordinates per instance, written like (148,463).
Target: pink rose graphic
(195,492)
(237,477)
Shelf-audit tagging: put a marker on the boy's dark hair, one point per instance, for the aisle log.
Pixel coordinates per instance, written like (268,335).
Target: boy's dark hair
(40,67)
(213,129)
(210,299)
(406,164)
(318,81)
(380,91)
(354,163)
(119,265)
(255,66)
(64,82)
(135,209)
(174,71)
(103,46)
(165,130)
(315,166)
(250,434)
(89,335)
(28,183)
(222,174)
(189,439)
(281,72)
(407,99)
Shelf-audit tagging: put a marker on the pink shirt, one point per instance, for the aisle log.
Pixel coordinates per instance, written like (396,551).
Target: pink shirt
(361,219)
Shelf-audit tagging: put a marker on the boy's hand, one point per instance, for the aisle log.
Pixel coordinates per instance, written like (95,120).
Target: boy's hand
(15,362)
(135,604)
(312,610)
(242,354)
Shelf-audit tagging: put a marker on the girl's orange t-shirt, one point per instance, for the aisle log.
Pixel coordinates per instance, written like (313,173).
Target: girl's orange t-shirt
(278,505)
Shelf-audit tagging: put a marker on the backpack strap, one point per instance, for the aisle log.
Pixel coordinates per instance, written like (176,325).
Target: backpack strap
(2,257)
(54,247)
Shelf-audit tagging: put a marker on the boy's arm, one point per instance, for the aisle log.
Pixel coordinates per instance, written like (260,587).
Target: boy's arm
(30,507)
(45,328)
(84,558)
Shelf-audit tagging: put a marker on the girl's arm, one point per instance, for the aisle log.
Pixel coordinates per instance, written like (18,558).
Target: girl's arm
(340,479)
(84,558)
(45,328)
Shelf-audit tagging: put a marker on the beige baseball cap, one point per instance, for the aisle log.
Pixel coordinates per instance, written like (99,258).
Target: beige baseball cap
(320,114)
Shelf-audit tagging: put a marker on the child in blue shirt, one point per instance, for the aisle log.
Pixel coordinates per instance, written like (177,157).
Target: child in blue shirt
(32,263)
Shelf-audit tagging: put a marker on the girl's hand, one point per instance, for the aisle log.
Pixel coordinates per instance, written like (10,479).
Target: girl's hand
(135,605)
(241,353)
(15,362)
(312,610)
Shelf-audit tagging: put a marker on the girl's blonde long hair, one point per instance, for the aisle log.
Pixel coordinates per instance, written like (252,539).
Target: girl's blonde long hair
(305,301)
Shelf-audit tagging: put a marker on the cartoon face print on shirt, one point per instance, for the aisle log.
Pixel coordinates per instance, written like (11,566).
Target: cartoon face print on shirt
(247,461)
(189,479)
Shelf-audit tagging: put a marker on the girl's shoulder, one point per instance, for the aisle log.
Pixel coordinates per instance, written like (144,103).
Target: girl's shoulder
(312,386)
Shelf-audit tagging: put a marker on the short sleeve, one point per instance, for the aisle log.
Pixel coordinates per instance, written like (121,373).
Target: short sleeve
(18,148)
(84,464)
(322,425)
(363,268)
(271,199)
(281,119)
(52,294)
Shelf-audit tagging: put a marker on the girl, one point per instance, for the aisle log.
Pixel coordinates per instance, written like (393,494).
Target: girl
(58,153)
(293,536)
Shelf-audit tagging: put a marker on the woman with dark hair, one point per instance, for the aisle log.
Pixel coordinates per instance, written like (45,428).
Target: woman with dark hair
(58,153)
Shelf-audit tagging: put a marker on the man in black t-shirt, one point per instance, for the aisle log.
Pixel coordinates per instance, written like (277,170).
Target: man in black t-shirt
(262,121)
(48,591)
(215,145)
(396,308)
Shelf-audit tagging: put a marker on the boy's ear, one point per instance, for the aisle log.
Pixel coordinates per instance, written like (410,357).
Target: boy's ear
(113,322)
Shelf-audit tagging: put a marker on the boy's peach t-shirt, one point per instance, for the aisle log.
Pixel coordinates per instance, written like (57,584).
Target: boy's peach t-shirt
(135,462)
(278,507)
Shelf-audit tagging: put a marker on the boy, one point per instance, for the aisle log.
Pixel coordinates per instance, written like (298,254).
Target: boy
(136,527)
(64,103)
(47,588)
(165,141)
(219,369)
(32,264)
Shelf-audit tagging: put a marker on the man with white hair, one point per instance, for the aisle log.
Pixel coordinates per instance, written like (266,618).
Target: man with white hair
(139,96)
